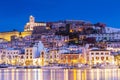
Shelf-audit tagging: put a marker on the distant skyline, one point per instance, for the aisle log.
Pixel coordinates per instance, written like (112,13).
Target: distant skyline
(15,14)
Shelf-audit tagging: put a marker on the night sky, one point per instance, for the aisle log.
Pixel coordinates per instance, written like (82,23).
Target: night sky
(15,13)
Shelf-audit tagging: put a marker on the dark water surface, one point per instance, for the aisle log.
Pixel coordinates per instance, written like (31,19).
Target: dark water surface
(59,74)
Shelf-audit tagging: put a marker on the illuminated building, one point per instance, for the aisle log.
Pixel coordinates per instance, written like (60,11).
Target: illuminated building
(9,55)
(112,30)
(53,56)
(42,60)
(33,53)
(70,58)
(105,36)
(21,59)
(7,35)
(99,56)
(2,40)
(113,46)
(29,53)
(30,25)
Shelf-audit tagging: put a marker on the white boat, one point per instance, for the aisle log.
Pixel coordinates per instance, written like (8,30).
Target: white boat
(12,67)
(108,67)
(52,67)
(83,66)
(4,65)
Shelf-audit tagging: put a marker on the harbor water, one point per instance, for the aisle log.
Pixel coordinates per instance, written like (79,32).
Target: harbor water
(59,74)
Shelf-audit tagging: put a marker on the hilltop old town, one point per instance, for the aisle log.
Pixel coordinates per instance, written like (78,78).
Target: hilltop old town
(65,42)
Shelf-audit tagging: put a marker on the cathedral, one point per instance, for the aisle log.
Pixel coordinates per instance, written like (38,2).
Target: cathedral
(31,24)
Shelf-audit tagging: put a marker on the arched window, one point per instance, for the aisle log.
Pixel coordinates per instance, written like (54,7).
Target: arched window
(102,58)
(42,53)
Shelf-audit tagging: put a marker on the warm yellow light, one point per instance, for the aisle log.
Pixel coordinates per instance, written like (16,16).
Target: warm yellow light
(13,62)
(74,61)
(71,30)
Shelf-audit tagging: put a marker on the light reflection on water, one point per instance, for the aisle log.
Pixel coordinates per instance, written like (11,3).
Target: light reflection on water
(59,74)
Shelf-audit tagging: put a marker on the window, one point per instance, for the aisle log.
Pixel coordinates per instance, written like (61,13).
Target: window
(106,53)
(22,57)
(92,58)
(26,50)
(97,53)
(92,53)
(97,58)
(101,53)
(102,58)
(106,58)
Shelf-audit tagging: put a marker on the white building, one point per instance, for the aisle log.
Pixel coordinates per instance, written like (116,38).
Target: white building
(33,53)
(99,56)
(31,24)
(9,55)
(111,30)
(105,37)
(113,46)
(53,56)
(30,52)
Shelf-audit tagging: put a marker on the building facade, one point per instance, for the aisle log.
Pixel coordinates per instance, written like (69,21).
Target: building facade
(70,58)
(30,25)
(9,56)
(99,57)
(105,37)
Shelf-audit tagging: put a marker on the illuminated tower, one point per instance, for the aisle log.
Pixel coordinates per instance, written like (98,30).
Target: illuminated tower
(31,19)
(32,22)
(29,26)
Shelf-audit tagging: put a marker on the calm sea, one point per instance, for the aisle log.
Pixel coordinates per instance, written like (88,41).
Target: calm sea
(59,74)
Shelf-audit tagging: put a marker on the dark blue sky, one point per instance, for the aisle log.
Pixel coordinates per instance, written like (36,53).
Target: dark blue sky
(15,13)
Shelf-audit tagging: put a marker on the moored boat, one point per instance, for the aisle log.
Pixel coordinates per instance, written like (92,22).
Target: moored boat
(108,66)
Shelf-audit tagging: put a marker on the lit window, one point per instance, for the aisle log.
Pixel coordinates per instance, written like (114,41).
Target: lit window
(97,58)
(102,58)
(106,58)
(93,58)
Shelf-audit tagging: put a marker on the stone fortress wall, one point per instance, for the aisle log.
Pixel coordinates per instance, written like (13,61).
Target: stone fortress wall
(7,35)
